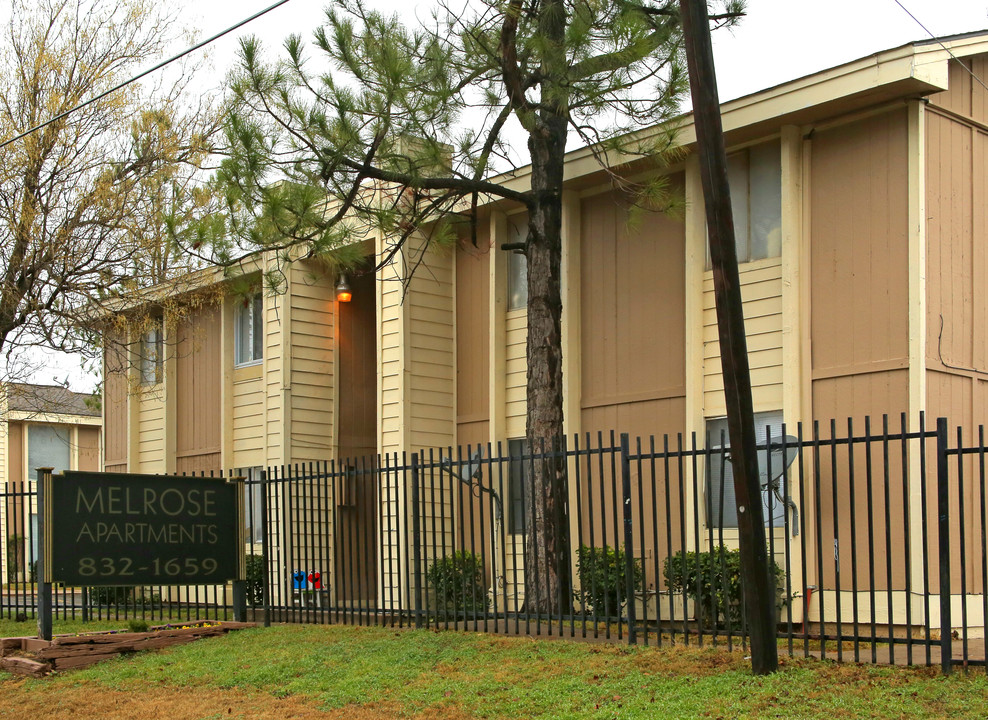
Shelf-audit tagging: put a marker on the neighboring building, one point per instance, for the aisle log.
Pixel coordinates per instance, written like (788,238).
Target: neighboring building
(40,426)
(859,199)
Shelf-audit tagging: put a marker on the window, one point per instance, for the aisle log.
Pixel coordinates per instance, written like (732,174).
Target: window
(249,331)
(517,271)
(519,490)
(152,355)
(722,507)
(252,514)
(47,446)
(755,175)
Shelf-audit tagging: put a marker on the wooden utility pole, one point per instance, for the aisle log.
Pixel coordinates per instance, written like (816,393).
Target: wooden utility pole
(759,590)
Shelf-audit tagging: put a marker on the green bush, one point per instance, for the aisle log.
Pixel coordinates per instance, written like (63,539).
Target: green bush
(459,584)
(254,580)
(110,594)
(137,625)
(713,581)
(603,586)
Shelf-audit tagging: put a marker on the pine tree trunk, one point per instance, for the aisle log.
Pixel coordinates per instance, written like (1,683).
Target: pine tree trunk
(547,568)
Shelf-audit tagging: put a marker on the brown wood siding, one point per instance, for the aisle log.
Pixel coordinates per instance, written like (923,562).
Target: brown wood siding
(203,463)
(956,268)
(198,380)
(859,258)
(115,392)
(15,452)
(965,95)
(89,449)
(357,371)
(633,314)
(633,335)
(859,327)
(473,339)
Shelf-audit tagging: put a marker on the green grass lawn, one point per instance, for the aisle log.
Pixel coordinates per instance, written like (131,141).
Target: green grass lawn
(449,674)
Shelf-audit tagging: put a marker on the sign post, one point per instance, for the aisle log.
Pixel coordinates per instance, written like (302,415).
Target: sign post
(43,585)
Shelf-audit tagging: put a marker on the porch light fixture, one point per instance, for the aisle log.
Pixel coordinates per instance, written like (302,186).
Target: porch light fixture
(343,293)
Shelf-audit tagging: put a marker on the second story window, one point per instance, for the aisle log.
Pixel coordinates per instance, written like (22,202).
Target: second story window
(517,270)
(755,175)
(152,354)
(249,331)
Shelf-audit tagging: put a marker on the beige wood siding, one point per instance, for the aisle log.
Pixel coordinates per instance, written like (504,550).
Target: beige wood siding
(392,336)
(151,429)
(312,370)
(965,95)
(248,417)
(761,294)
(115,395)
(198,384)
(473,340)
(632,319)
(859,280)
(516,372)
(431,353)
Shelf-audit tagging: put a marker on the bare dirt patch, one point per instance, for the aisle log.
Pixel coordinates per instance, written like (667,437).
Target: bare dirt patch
(85,701)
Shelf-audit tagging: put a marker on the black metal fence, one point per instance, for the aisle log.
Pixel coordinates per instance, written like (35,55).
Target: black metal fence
(876,532)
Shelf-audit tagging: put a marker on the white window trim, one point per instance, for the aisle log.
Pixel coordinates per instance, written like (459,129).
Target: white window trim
(238,309)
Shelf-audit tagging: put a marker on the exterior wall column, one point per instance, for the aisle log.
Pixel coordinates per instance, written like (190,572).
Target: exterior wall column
(169,387)
(134,394)
(796,377)
(696,260)
(226,390)
(498,308)
(916,184)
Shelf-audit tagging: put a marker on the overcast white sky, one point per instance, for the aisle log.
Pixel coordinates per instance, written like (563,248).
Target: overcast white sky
(779,40)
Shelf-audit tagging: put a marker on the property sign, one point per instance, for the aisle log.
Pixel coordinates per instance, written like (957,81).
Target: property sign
(121,529)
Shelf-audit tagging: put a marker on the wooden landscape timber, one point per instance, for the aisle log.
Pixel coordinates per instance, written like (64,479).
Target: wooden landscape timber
(35,657)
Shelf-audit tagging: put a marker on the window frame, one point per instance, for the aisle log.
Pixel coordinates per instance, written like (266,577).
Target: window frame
(252,306)
(743,245)
(152,357)
(774,420)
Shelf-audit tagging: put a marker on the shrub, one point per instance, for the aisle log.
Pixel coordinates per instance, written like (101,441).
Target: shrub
(110,594)
(254,580)
(459,584)
(713,581)
(603,586)
(137,625)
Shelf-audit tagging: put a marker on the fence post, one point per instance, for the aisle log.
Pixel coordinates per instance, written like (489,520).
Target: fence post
(629,554)
(265,580)
(43,586)
(416,544)
(943,529)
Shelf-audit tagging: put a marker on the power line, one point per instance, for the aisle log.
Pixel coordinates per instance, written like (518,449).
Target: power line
(940,43)
(137,77)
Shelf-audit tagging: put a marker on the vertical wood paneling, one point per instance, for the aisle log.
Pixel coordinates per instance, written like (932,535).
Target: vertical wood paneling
(859,280)
(115,394)
(357,371)
(965,95)
(632,318)
(472,335)
(89,438)
(198,383)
